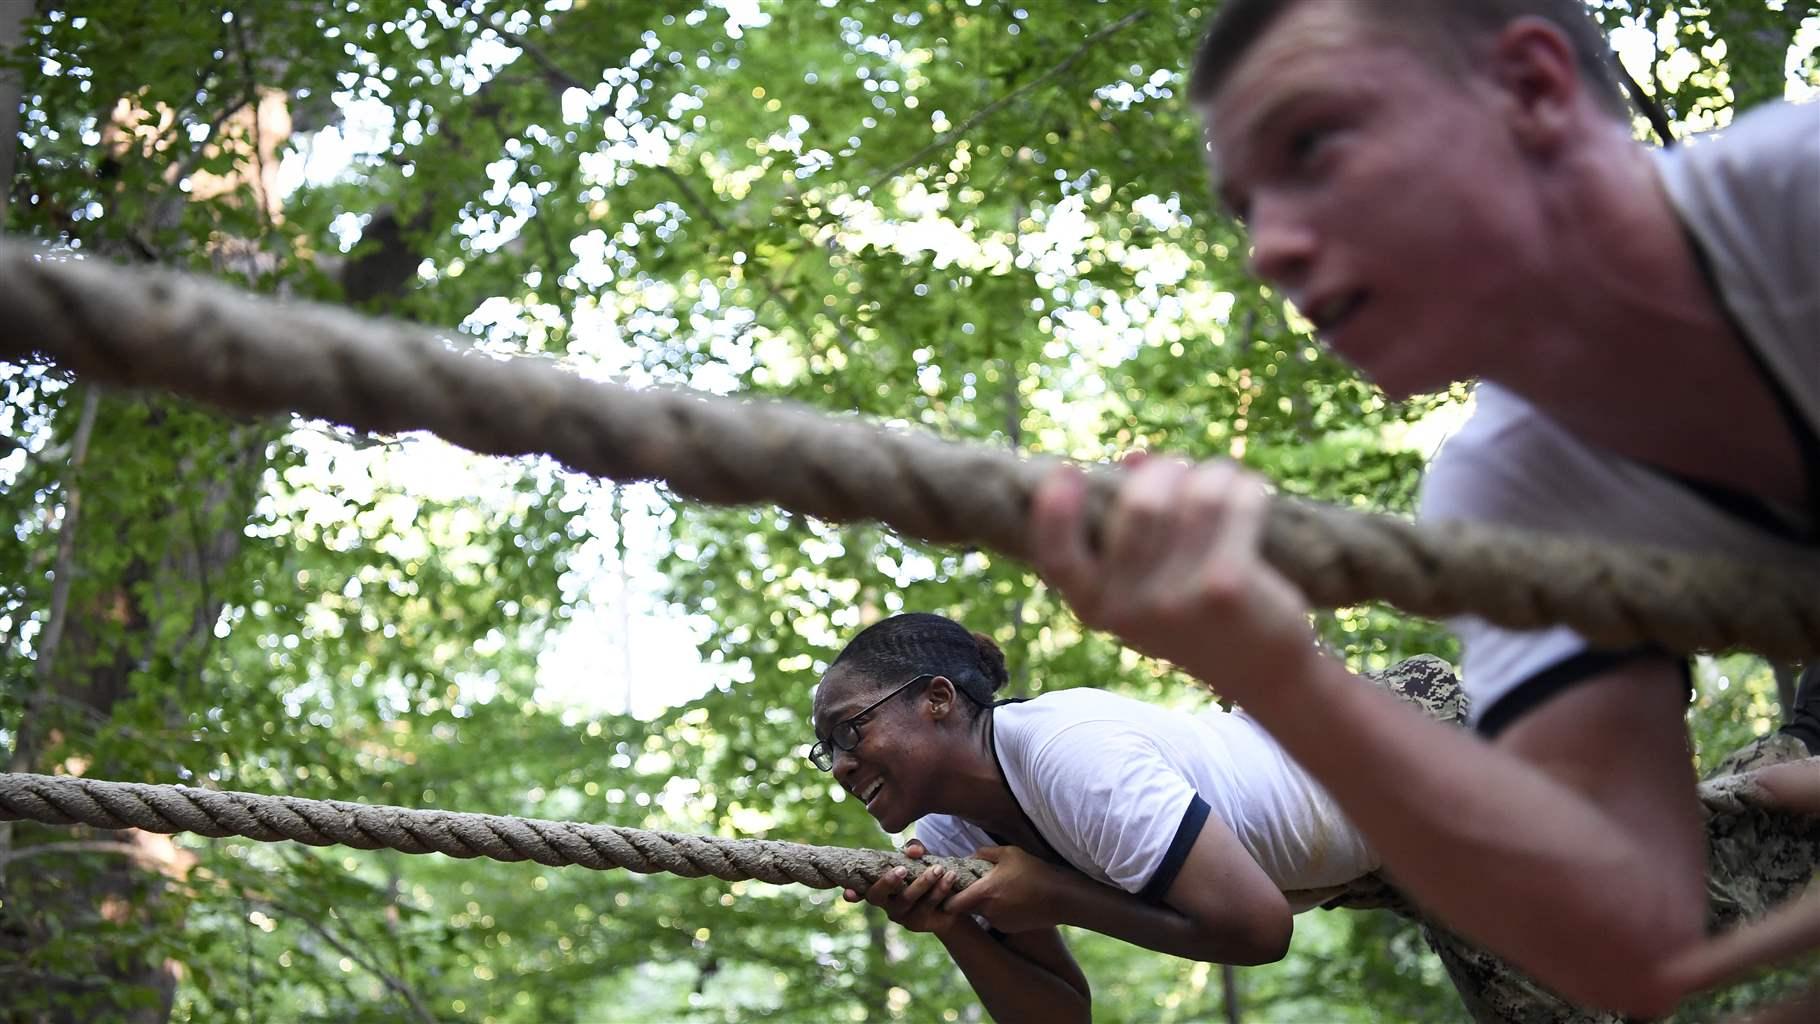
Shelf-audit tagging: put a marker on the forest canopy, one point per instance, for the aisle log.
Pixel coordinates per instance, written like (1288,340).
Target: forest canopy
(979,218)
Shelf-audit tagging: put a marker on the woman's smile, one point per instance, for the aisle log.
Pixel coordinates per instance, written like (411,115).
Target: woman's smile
(870,793)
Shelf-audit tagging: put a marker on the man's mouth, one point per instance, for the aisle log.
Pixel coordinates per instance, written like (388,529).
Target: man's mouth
(1329,315)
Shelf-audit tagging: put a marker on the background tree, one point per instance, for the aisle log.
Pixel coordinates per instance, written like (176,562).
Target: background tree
(980,218)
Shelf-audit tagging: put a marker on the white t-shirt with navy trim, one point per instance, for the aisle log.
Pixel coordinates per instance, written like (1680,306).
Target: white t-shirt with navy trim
(1120,789)
(1750,196)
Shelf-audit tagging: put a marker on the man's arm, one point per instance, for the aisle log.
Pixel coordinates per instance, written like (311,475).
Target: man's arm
(1573,846)
(1572,849)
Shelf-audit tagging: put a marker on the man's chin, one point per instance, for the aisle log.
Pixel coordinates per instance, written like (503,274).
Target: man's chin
(1399,370)
(1401,383)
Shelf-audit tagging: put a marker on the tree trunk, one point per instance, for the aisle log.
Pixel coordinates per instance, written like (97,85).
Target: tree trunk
(136,591)
(12,33)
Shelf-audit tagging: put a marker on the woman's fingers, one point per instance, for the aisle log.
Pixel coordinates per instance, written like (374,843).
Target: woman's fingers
(970,899)
(943,889)
(889,884)
(924,882)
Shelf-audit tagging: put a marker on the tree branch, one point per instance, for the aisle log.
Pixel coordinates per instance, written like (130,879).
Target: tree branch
(1658,120)
(398,986)
(1009,98)
(46,657)
(694,197)
(113,846)
(46,653)
(553,72)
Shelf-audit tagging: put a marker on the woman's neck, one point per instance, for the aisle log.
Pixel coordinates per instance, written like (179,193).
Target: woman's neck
(975,787)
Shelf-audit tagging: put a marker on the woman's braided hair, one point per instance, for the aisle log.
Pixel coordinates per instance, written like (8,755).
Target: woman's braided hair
(903,646)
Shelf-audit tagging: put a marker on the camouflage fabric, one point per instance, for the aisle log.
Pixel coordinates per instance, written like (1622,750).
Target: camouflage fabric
(1758,858)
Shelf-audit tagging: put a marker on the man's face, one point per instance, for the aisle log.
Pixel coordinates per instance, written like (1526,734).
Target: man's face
(1385,197)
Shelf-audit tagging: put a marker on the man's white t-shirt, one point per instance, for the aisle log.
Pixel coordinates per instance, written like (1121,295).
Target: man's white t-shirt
(1750,197)
(1121,789)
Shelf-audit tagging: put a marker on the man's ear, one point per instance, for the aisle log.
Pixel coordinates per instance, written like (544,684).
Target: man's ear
(939,700)
(1535,68)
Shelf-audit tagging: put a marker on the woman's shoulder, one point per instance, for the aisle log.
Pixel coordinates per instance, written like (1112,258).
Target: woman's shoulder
(1055,710)
(1078,721)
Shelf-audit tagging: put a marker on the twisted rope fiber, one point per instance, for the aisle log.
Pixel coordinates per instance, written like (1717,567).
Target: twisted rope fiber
(67,800)
(64,800)
(148,328)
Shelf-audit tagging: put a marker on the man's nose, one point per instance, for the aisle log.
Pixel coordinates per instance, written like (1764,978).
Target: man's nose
(844,763)
(1282,244)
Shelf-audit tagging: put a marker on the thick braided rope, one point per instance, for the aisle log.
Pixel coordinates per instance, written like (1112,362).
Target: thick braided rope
(159,329)
(66,800)
(63,800)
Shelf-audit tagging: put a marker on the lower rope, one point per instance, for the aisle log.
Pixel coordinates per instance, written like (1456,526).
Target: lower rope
(64,800)
(67,800)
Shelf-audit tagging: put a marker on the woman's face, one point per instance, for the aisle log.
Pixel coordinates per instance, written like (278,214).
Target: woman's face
(891,770)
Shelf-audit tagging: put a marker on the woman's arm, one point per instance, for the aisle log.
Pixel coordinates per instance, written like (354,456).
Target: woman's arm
(1220,908)
(1030,976)
(1025,977)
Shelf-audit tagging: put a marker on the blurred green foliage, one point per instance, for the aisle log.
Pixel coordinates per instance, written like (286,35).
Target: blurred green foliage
(969,216)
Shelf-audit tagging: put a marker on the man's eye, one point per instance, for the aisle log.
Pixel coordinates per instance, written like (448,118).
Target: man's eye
(1304,143)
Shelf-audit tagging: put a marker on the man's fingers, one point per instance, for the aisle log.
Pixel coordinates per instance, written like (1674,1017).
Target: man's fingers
(1793,786)
(1224,510)
(1058,541)
(1140,529)
(1246,506)
(1202,511)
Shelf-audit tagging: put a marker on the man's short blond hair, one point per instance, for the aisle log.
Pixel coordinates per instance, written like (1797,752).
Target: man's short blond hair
(1441,29)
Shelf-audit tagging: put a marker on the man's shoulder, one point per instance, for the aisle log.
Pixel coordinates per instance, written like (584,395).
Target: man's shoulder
(1772,130)
(1751,193)
(1510,463)
(1771,146)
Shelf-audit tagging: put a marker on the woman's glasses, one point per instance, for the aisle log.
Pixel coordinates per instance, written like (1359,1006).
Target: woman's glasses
(845,734)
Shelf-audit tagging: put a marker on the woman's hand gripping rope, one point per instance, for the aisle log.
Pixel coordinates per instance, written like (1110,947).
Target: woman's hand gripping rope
(918,904)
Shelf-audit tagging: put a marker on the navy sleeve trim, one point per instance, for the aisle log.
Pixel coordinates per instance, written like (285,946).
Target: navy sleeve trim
(1562,676)
(1185,834)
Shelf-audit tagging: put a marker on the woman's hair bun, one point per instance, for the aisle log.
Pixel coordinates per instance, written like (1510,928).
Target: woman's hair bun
(992,661)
